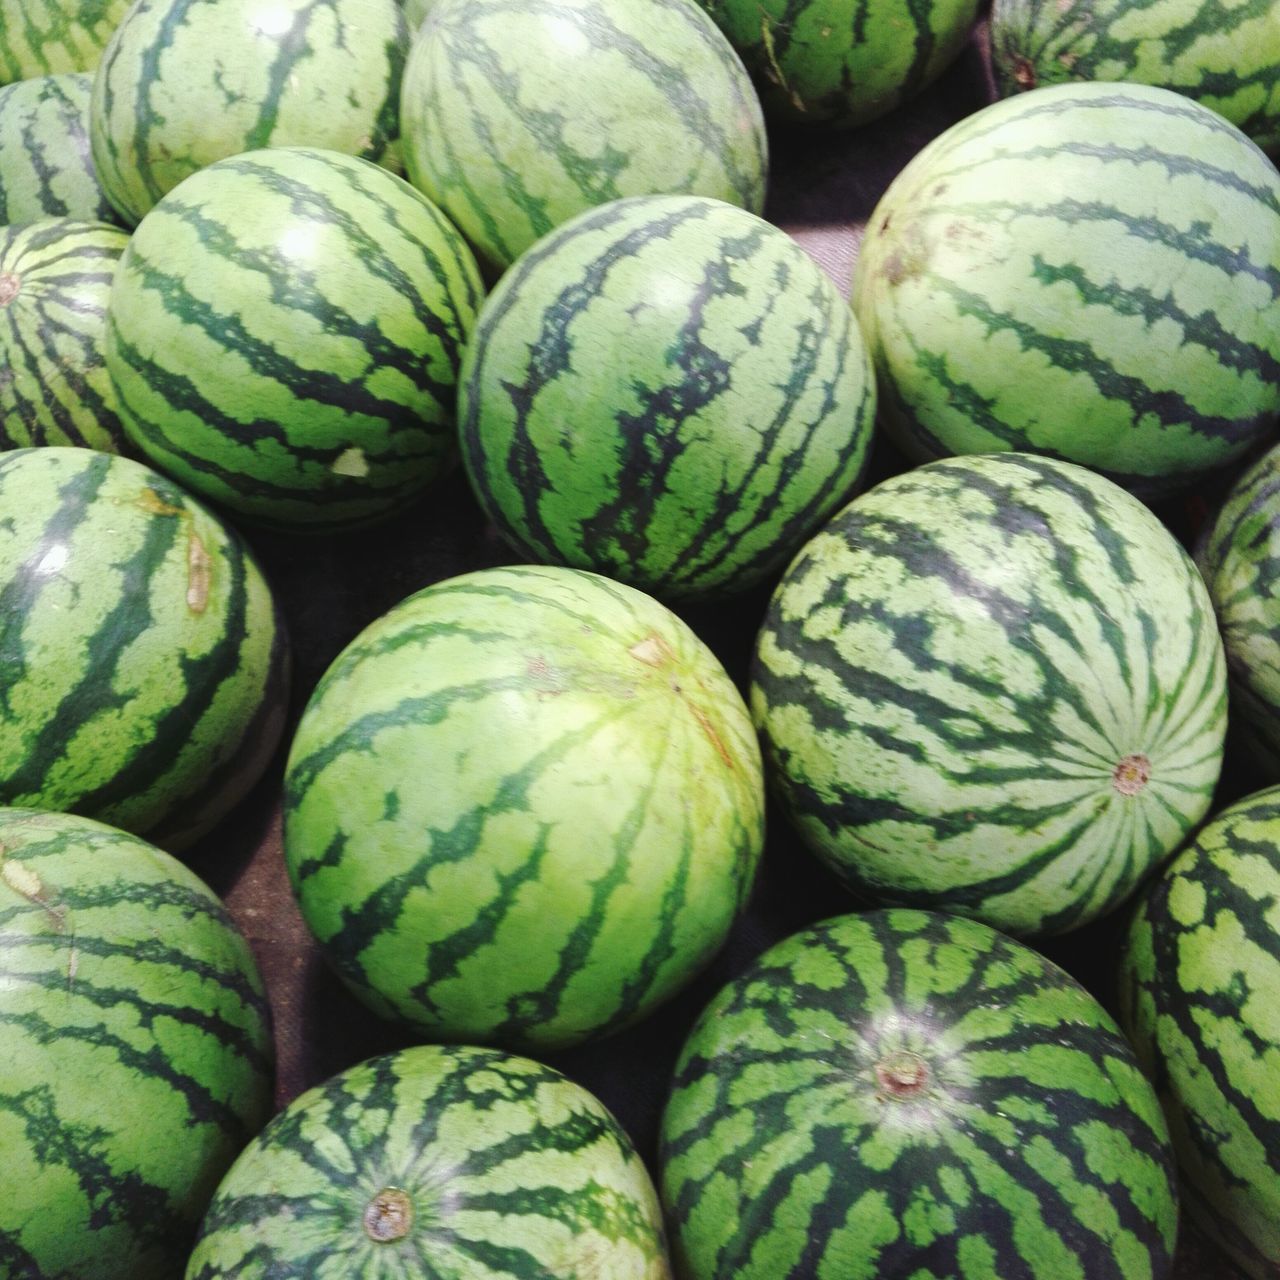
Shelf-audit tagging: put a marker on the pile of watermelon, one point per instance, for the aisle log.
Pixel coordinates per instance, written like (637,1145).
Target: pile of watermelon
(736,763)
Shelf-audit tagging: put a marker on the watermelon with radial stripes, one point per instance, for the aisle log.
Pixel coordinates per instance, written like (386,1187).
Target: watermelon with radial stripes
(46,169)
(55,279)
(993,686)
(441,1162)
(45,37)
(1200,999)
(1226,55)
(902,1094)
(518,114)
(725,410)
(186,82)
(524,807)
(137,1051)
(142,662)
(285,333)
(1089,271)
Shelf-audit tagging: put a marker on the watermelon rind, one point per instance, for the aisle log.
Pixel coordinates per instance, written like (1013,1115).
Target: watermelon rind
(46,37)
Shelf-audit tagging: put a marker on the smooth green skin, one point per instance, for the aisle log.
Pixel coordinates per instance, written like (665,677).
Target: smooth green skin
(1029,1148)
(285,334)
(668,391)
(52,333)
(512,1171)
(1226,55)
(1006,307)
(518,114)
(825,61)
(115,595)
(138,1055)
(186,82)
(1200,1000)
(45,37)
(524,807)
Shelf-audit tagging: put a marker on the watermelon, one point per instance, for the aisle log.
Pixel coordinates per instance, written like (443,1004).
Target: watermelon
(137,1051)
(186,82)
(55,279)
(1200,999)
(518,114)
(523,807)
(44,37)
(440,1162)
(725,410)
(1226,55)
(46,170)
(1089,271)
(143,665)
(993,686)
(902,1094)
(285,334)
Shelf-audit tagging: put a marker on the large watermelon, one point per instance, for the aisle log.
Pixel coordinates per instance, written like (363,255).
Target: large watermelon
(724,410)
(137,1052)
(1089,271)
(142,663)
(993,686)
(186,82)
(285,334)
(518,114)
(906,1096)
(43,37)
(525,806)
(1200,1000)
(437,1162)
(55,279)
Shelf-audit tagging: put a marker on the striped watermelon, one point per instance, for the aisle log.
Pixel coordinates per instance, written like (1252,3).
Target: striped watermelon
(55,279)
(137,1051)
(1089,271)
(518,114)
(1224,55)
(186,82)
(725,410)
(437,1162)
(142,663)
(523,807)
(285,334)
(46,170)
(993,686)
(43,37)
(902,1094)
(1200,999)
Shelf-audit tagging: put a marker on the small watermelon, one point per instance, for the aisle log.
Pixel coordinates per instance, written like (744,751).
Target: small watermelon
(907,1096)
(437,1162)
(44,37)
(137,1051)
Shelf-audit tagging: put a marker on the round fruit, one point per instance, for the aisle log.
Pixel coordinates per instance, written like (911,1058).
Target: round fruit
(993,686)
(437,1162)
(523,807)
(137,1051)
(724,409)
(42,37)
(902,1094)
(144,668)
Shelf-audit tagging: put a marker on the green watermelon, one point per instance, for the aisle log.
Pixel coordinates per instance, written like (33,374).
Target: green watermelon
(1088,271)
(142,663)
(285,334)
(137,1051)
(905,1095)
(1200,999)
(55,279)
(518,114)
(437,1162)
(725,410)
(524,807)
(46,170)
(993,686)
(43,37)
(186,82)
(1226,55)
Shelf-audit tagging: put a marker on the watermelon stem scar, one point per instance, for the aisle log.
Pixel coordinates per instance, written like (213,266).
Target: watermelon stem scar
(9,286)
(902,1074)
(388,1216)
(1131,775)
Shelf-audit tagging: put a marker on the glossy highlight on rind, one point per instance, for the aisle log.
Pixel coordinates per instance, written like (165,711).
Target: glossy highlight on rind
(1029,1146)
